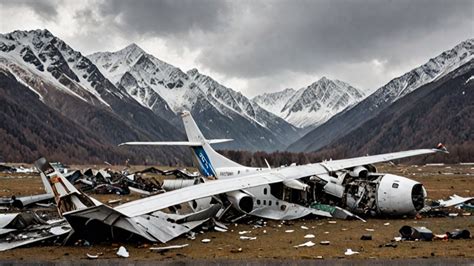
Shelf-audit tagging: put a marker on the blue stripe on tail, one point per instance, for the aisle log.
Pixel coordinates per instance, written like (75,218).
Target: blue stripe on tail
(205,165)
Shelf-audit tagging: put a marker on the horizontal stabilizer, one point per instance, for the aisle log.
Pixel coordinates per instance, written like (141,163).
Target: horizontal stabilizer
(214,141)
(173,143)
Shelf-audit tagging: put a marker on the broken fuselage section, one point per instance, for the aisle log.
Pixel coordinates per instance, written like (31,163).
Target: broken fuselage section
(340,194)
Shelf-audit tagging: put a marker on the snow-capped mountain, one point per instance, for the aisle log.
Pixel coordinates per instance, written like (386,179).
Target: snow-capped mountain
(274,101)
(39,54)
(342,124)
(432,70)
(312,105)
(220,111)
(69,83)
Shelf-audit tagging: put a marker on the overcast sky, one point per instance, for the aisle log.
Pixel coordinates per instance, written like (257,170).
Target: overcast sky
(260,46)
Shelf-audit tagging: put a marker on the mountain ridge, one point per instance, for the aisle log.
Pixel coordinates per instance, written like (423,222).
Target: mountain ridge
(312,105)
(344,122)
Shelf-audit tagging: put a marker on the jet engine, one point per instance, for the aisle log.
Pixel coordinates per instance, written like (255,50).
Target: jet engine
(241,201)
(384,194)
(359,171)
(398,195)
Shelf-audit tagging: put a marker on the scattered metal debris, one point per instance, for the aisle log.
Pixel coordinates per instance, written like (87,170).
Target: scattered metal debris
(350,252)
(168,247)
(306,244)
(206,240)
(122,252)
(92,257)
(19,229)
(416,233)
(14,169)
(309,236)
(391,244)
(459,234)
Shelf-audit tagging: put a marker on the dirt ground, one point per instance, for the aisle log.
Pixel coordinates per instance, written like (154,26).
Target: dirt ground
(272,242)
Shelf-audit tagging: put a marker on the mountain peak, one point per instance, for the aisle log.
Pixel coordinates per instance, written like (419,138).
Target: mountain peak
(311,105)
(132,48)
(193,72)
(324,79)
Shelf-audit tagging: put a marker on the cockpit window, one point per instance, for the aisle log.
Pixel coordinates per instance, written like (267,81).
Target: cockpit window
(395,185)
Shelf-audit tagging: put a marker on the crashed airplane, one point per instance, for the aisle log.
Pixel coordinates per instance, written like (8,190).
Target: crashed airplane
(286,193)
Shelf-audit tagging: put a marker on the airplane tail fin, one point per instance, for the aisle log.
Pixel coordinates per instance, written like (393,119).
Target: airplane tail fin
(207,158)
(67,197)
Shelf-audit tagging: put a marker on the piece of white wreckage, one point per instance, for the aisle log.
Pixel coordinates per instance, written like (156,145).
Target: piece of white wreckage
(92,220)
(283,193)
(19,229)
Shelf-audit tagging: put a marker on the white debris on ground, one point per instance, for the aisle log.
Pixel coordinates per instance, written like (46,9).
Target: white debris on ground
(169,247)
(306,244)
(122,252)
(248,237)
(349,252)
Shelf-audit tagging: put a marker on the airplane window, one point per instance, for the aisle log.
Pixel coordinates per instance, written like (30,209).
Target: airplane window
(265,191)
(264,202)
(258,202)
(269,203)
(395,185)
(283,207)
(277,203)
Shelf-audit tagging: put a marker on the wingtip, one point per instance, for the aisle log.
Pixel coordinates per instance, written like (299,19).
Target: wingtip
(441,148)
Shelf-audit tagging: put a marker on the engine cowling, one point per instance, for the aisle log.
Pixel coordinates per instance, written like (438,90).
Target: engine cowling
(398,195)
(359,171)
(241,201)
(296,184)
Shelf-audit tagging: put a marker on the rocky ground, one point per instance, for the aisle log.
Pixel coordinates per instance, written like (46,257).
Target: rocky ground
(276,240)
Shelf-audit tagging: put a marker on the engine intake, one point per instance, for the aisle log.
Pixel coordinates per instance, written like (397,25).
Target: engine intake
(360,172)
(241,201)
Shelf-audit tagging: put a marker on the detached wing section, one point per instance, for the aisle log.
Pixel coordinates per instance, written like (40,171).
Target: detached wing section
(359,161)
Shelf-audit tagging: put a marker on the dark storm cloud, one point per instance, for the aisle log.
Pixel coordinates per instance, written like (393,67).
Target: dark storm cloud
(260,44)
(249,39)
(44,8)
(309,35)
(166,17)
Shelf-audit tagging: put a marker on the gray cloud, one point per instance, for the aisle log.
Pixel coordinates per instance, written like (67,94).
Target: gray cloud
(311,35)
(46,9)
(270,45)
(166,17)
